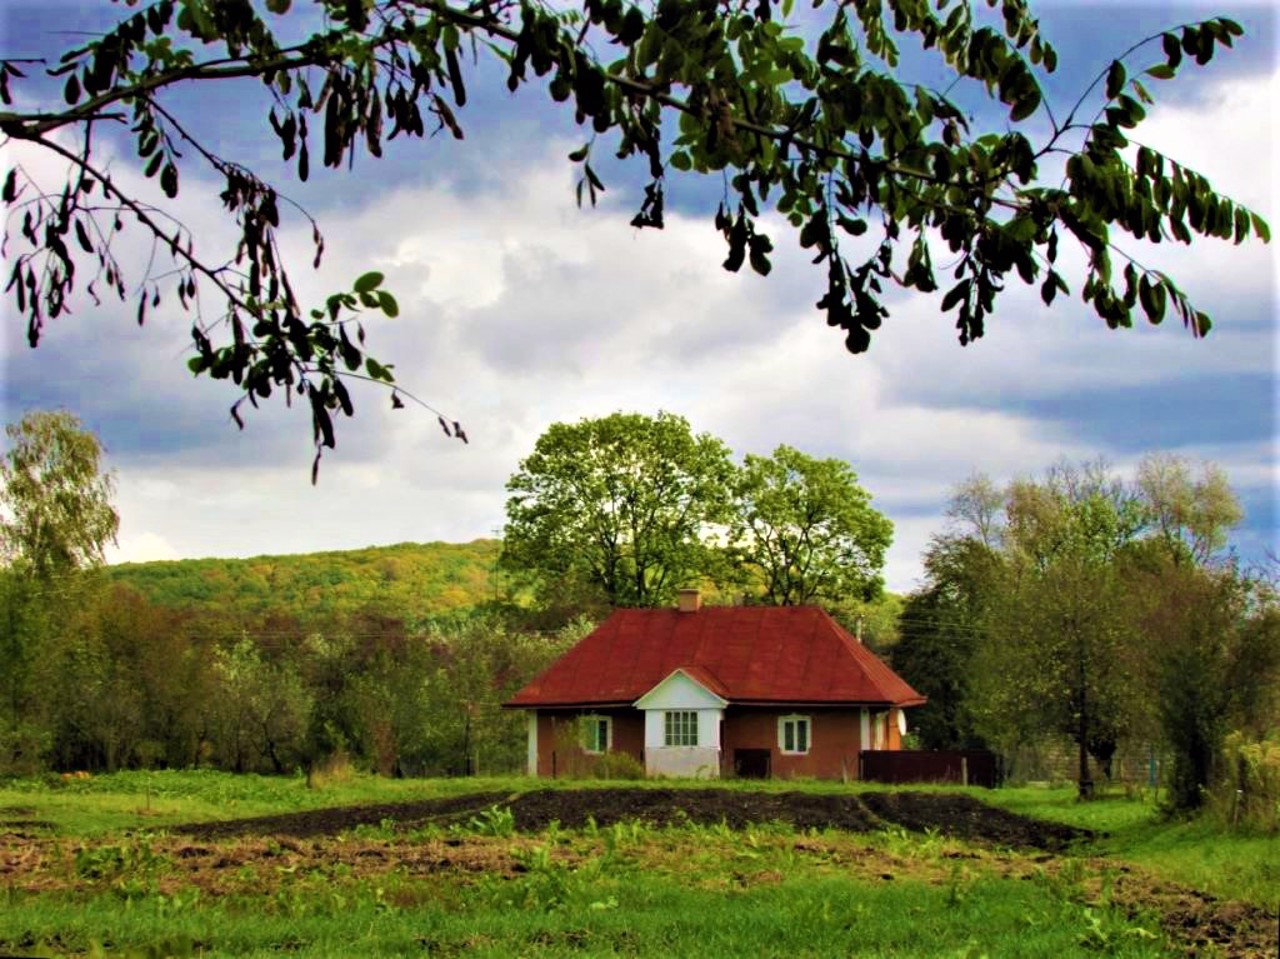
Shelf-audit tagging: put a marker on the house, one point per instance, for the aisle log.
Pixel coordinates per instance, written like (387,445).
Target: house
(718,690)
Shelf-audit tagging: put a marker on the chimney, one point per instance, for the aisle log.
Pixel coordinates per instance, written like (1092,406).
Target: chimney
(690,601)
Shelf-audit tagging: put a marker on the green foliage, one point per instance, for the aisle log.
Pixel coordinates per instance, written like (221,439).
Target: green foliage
(625,510)
(57,514)
(56,517)
(409,582)
(1079,606)
(809,529)
(619,506)
(942,626)
(803,118)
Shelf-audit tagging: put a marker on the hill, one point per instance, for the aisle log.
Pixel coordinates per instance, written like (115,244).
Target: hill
(406,581)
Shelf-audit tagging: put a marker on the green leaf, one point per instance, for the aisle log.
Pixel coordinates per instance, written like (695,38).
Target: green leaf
(1028,102)
(955,295)
(279,7)
(169,180)
(1231,26)
(388,304)
(1115,79)
(369,282)
(1161,71)
(1260,227)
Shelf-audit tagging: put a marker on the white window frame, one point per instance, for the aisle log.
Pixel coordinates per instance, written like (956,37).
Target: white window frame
(680,727)
(796,721)
(589,727)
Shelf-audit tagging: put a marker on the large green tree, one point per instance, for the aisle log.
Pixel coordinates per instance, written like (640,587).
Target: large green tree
(56,518)
(809,530)
(1059,631)
(942,626)
(803,115)
(58,514)
(622,505)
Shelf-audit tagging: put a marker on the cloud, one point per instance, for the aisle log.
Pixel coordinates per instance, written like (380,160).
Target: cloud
(519,310)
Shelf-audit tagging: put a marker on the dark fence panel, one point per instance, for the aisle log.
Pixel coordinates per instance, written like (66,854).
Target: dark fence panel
(975,767)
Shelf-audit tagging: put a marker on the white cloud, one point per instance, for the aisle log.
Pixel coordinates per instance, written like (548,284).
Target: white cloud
(519,310)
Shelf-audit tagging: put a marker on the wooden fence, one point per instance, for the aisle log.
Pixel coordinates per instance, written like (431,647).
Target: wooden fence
(970,767)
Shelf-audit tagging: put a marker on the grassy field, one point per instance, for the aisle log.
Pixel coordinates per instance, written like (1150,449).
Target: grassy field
(94,867)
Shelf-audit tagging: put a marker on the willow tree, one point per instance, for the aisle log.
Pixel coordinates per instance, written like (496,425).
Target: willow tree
(56,518)
(803,115)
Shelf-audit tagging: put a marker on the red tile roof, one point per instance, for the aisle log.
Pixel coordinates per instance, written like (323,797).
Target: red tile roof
(753,654)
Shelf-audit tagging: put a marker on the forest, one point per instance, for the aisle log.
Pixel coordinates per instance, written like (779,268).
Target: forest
(1077,610)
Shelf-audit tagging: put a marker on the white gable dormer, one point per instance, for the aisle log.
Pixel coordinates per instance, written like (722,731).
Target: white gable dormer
(682,727)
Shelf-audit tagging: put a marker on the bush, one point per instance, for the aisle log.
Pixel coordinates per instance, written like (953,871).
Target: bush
(1249,792)
(617,766)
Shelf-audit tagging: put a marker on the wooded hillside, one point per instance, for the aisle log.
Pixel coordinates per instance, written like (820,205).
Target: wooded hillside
(405,581)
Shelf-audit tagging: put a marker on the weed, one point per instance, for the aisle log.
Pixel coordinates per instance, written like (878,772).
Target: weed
(495,821)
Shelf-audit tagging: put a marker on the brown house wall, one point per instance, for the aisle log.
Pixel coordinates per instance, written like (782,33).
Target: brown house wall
(833,750)
(833,747)
(560,753)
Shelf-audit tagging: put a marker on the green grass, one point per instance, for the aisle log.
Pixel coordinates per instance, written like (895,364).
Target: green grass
(159,799)
(1231,863)
(112,880)
(706,898)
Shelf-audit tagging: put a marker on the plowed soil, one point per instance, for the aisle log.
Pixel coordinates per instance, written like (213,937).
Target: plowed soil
(952,815)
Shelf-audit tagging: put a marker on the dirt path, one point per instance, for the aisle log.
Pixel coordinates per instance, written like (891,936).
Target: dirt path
(953,815)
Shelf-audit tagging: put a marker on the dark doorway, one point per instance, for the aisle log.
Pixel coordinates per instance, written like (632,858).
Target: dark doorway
(751,763)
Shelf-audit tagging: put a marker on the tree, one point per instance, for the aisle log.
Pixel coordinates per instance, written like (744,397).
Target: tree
(809,120)
(1190,516)
(56,518)
(57,498)
(1210,654)
(1056,657)
(620,504)
(942,627)
(809,529)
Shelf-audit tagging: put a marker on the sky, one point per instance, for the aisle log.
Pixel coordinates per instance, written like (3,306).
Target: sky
(519,310)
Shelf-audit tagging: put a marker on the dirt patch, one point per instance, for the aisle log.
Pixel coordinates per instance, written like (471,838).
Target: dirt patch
(331,822)
(948,814)
(1201,924)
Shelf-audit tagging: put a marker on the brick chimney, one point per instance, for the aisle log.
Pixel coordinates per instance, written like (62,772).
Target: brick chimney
(690,601)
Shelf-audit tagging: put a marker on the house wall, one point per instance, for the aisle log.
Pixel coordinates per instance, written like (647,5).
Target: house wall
(559,752)
(836,740)
(833,749)
(684,762)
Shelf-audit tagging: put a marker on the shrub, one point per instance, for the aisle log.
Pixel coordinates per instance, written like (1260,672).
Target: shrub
(1249,793)
(617,766)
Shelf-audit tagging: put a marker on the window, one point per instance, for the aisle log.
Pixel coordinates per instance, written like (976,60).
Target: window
(680,728)
(793,734)
(595,732)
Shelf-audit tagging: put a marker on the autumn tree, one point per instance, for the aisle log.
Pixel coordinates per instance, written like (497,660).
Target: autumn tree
(799,116)
(621,505)
(809,530)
